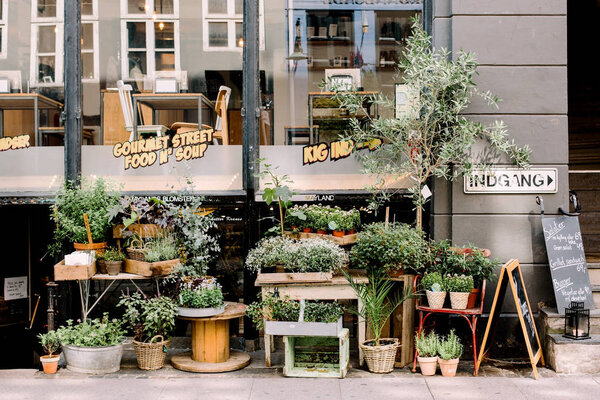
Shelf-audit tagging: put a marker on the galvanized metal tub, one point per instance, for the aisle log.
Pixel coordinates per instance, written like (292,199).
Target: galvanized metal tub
(93,360)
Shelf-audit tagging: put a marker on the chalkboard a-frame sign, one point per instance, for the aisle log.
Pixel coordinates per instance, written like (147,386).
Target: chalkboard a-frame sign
(511,274)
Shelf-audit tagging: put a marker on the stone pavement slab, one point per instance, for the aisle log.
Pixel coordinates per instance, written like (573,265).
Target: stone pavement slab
(560,387)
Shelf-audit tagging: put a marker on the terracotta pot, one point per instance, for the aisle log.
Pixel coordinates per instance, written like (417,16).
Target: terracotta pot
(99,247)
(472,302)
(101,266)
(459,300)
(306,230)
(339,233)
(428,365)
(321,232)
(50,363)
(448,367)
(435,299)
(113,267)
(350,232)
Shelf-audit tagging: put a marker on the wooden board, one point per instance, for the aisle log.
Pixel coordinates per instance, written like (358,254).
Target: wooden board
(64,272)
(296,347)
(403,324)
(306,277)
(237,360)
(143,268)
(340,241)
(511,275)
(143,230)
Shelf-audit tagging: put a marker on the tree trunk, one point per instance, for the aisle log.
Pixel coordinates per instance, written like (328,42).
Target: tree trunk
(419,212)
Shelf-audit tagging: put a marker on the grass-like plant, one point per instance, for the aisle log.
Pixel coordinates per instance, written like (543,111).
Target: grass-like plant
(161,249)
(427,344)
(450,347)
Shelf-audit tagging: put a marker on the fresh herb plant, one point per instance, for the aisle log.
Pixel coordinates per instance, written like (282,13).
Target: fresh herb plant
(450,347)
(427,344)
(111,254)
(92,333)
(148,317)
(322,312)
(50,342)
(434,282)
(162,248)
(200,293)
(459,283)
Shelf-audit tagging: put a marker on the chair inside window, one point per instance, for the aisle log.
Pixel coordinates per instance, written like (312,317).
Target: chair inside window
(127,108)
(221,128)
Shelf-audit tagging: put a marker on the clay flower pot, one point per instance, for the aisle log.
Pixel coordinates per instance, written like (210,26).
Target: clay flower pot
(321,232)
(339,233)
(50,363)
(459,300)
(306,230)
(428,365)
(448,367)
(472,302)
(113,267)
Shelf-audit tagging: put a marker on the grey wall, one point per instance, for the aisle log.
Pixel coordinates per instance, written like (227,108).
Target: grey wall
(521,46)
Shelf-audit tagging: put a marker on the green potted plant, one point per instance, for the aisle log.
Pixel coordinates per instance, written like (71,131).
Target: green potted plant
(427,350)
(96,199)
(93,346)
(152,321)
(459,287)
(200,297)
(394,248)
(112,259)
(435,289)
(50,342)
(449,351)
(376,306)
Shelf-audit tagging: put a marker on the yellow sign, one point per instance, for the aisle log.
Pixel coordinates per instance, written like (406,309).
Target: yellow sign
(14,142)
(335,150)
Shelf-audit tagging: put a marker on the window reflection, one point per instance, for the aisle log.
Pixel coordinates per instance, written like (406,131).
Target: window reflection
(46,8)
(217,34)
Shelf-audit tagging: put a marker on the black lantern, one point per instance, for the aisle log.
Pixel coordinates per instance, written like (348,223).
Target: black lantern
(577,321)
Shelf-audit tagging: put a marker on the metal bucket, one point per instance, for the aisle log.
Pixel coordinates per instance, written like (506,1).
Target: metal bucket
(93,360)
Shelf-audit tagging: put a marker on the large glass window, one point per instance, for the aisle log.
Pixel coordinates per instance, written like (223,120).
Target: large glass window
(222,25)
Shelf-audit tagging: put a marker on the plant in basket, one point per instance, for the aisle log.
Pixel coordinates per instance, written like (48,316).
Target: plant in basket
(200,297)
(427,348)
(377,305)
(152,320)
(449,351)
(96,199)
(51,343)
(163,248)
(459,287)
(435,289)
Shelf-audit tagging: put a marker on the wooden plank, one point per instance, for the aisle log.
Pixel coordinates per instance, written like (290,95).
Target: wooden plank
(112,119)
(143,230)
(64,272)
(237,360)
(304,369)
(160,268)
(284,277)
(357,276)
(340,241)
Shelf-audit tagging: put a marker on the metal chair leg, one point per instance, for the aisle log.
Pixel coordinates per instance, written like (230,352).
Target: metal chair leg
(474,330)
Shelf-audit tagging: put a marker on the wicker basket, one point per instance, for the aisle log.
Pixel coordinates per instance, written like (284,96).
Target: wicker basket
(380,359)
(151,355)
(459,300)
(436,299)
(136,254)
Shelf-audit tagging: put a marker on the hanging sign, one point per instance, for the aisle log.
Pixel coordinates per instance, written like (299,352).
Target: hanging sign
(512,180)
(14,142)
(146,152)
(568,265)
(334,151)
(15,288)
(511,274)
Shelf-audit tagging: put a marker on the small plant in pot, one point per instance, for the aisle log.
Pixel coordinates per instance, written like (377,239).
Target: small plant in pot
(152,321)
(459,287)
(111,261)
(50,342)
(93,346)
(435,289)
(200,297)
(376,307)
(427,350)
(449,351)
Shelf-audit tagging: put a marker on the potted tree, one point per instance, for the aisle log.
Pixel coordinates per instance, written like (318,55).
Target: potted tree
(93,346)
(200,297)
(427,350)
(449,351)
(152,321)
(50,343)
(376,306)
(459,287)
(435,289)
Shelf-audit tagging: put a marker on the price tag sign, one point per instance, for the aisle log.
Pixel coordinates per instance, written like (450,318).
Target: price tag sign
(15,288)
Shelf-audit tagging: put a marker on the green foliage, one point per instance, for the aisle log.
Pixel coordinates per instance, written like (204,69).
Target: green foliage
(434,137)
(148,317)
(161,249)
(467,260)
(433,282)
(276,188)
(427,344)
(318,217)
(459,283)
(92,333)
(322,312)
(49,341)
(395,246)
(111,254)
(450,347)
(96,199)
(201,298)
(377,301)
(304,255)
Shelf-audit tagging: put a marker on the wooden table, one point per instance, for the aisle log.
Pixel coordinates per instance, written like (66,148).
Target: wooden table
(210,344)
(27,101)
(170,101)
(337,288)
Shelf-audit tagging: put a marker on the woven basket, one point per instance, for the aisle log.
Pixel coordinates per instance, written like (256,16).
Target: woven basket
(136,254)
(380,359)
(151,355)
(459,300)
(436,299)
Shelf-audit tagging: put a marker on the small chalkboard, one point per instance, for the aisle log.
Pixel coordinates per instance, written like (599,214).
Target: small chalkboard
(566,258)
(511,274)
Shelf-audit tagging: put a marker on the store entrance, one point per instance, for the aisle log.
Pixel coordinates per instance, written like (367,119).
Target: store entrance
(584,120)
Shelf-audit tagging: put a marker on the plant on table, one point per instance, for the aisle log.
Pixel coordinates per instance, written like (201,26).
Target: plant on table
(433,138)
(163,248)
(201,296)
(435,289)
(449,351)
(295,217)
(468,260)
(94,198)
(427,348)
(112,259)
(459,287)
(51,343)
(276,189)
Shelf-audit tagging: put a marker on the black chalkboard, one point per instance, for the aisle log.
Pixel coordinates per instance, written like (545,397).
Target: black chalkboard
(523,305)
(566,258)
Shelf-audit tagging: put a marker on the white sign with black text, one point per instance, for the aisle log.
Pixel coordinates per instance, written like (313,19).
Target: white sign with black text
(512,180)
(15,288)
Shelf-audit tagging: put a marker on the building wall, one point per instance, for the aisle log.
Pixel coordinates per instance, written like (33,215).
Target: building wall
(521,46)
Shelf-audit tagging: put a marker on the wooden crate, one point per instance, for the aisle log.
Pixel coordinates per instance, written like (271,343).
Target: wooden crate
(317,357)
(143,230)
(64,272)
(143,268)
(306,277)
(340,241)
(295,328)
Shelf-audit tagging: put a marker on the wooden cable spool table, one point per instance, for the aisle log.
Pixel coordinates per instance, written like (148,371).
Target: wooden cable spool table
(210,344)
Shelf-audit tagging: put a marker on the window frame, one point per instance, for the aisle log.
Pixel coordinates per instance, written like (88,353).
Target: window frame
(231,18)
(3,30)
(149,12)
